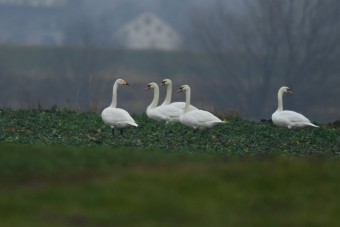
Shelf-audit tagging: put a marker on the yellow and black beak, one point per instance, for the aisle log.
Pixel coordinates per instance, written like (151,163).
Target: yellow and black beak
(162,84)
(124,82)
(147,87)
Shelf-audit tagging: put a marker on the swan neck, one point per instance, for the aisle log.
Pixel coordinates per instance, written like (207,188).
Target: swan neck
(187,100)
(279,101)
(167,99)
(154,102)
(114,95)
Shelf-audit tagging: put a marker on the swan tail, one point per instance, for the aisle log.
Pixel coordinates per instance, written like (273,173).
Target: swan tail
(133,124)
(311,124)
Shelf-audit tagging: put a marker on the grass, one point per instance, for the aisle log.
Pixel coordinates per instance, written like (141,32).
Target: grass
(63,168)
(57,186)
(237,138)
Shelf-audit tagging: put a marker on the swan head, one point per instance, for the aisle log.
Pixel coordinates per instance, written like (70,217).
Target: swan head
(183,88)
(165,82)
(122,82)
(285,89)
(151,85)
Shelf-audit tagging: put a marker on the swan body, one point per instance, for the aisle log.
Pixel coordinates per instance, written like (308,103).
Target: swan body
(197,119)
(117,117)
(167,113)
(167,100)
(287,118)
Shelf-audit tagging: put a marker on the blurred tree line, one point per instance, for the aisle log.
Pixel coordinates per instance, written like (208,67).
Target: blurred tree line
(235,55)
(268,43)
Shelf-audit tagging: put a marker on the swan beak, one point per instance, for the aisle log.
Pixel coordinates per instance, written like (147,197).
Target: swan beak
(180,90)
(162,84)
(147,88)
(290,91)
(125,83)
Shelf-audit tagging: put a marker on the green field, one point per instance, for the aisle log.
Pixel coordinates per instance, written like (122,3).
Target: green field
(63,168)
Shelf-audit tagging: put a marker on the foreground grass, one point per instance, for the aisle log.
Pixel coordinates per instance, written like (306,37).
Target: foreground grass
(63,168)
(97,186)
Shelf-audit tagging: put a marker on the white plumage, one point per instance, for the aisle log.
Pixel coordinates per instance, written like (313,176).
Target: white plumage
(287,118)
(165,113)
(116,117)
(167,100)
(196,119)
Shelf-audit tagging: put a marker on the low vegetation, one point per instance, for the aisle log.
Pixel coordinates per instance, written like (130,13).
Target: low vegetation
(63,168)
(236,138)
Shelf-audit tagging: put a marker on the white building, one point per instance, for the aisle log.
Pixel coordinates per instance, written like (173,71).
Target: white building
(148,31)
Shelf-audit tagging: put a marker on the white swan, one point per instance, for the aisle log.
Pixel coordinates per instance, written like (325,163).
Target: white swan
(196,119)
(287,118)
(165,113)
(167,100)
(116,117)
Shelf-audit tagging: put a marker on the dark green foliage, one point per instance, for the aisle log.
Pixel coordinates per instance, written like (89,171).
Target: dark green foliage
(237,137)
(94,186)
(63,168)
